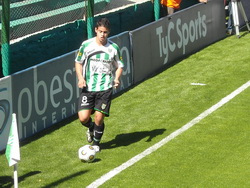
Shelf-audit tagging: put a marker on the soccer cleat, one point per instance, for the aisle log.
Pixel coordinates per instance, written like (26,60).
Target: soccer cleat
(90,136)
(96,148)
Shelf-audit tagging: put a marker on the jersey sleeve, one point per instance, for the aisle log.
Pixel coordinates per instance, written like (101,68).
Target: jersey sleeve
(80,55)
(118,58)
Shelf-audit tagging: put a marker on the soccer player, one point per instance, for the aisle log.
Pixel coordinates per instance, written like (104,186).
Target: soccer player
(99,67)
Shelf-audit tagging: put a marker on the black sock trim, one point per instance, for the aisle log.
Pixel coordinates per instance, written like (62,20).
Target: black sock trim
(98,132)
(89,124)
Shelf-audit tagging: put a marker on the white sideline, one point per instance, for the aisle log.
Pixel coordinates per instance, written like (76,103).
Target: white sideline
(156,146)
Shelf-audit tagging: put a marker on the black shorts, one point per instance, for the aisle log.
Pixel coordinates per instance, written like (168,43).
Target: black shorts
(97,101)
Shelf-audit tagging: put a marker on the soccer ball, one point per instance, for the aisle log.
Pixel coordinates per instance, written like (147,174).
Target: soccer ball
(86,153)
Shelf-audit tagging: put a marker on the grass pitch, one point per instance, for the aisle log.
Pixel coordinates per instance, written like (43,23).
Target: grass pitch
(213,153)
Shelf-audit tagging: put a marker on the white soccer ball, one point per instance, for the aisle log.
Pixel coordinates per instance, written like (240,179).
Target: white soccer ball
(86,153)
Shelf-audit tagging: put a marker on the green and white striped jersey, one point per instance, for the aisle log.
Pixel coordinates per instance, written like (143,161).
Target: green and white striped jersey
(99,64)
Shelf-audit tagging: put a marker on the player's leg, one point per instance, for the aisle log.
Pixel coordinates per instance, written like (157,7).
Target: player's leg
(102,106)
(84,117)
(170,10)
(98,127)
(86,121)
(85,106)
(230,24)
(163,11)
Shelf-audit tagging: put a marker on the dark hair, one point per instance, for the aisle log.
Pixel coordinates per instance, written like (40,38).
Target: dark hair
(103,22)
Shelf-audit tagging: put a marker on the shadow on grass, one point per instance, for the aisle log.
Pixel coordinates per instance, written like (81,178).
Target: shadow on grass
(48,130)
(58,182)
(8,181)
(130,138)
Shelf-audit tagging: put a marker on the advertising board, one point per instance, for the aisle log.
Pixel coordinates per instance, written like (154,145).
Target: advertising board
(45,94)
(5,109)
(174,37)
(123,41)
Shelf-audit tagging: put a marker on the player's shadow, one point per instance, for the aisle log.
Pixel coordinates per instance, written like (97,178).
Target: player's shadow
(67,178)
(130,138)
(8,181)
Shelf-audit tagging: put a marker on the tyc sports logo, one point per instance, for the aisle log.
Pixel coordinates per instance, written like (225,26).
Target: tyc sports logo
(4,111)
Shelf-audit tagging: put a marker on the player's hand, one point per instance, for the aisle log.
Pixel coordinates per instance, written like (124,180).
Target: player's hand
(116,83)
(203,1)
(81,83)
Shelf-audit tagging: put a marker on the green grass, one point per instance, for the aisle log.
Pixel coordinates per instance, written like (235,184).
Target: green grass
(213,153)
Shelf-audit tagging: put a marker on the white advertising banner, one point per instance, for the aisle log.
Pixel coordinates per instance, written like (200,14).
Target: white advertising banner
(5,110)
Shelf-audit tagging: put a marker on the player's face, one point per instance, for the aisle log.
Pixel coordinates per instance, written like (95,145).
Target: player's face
(102,35)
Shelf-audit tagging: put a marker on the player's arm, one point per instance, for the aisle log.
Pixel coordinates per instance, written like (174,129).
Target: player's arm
(81,80)
(119,64)
(118,74)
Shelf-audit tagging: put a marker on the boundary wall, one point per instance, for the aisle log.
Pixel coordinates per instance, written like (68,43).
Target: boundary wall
(46,94)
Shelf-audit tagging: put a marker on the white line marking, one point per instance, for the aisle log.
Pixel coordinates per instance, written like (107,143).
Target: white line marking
(156,146)
(197,84)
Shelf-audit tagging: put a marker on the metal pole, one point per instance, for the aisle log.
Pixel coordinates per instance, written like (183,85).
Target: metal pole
(5,37)
(15,176)
(157,9)
(236,7)
(90,18)
(240,6)
(236,17)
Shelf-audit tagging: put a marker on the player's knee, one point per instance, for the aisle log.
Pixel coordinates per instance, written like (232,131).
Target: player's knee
(83,117)
(84,123)
(84,120)
(99,118)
